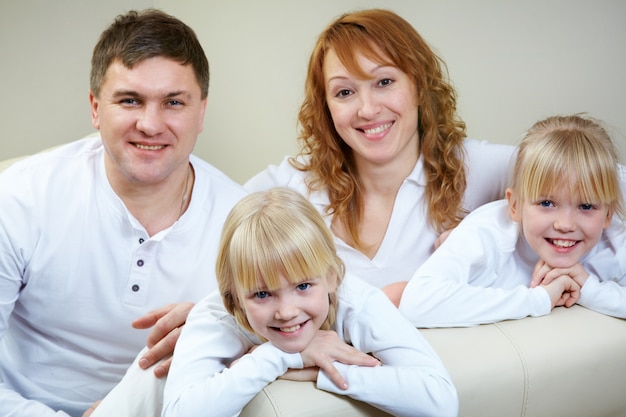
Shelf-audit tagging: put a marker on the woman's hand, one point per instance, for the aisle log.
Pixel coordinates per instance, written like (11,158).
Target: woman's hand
(441,238)
(166,323)
(394,291)
(91,409)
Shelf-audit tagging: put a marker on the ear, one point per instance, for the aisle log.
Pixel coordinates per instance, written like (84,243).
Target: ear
(93,101)
(609,217)
(514,211)
(202,111)
(331,279)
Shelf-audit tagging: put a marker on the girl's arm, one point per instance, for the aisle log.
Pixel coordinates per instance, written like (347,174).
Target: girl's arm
(475,277)
(202,381)
(605,289)
(601,275)
(606,297)
(412,380)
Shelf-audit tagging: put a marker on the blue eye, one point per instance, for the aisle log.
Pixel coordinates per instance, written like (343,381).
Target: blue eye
(304,286)
(129,101)
(586,207)
(261,294)
(546,203)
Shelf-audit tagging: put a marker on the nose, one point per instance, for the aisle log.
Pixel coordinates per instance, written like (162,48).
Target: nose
(286,310)
(150,120)
(564,221)
(369,105)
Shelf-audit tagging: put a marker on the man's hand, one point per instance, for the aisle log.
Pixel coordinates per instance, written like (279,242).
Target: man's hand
(394,291)
(326,348)
(166,323)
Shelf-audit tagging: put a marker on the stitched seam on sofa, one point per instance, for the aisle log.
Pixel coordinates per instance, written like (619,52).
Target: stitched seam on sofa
(272,401)
(524,364)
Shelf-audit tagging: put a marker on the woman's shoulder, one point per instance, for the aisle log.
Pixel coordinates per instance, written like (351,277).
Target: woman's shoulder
(482,150)
(283,174)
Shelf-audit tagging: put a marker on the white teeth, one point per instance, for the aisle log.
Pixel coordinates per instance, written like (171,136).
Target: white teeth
(149,147)
(563,243)
(377,129)
(290,329)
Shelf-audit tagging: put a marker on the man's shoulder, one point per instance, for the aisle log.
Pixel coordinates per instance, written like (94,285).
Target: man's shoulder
(56,159)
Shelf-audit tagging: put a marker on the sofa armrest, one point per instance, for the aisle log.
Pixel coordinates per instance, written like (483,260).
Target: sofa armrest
(569,363)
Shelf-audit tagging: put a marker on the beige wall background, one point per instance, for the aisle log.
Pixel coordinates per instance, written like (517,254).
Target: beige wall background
(512,63)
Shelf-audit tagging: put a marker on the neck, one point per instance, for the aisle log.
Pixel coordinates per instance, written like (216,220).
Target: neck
(385,178)
(158,206)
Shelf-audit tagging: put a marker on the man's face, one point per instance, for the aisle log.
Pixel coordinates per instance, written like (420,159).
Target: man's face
(149,118)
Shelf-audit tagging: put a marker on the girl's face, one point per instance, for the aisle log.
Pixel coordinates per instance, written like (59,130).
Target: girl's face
(291,315)
(376,116)
(560,228)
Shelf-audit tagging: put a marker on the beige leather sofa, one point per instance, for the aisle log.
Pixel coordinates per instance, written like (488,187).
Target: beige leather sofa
(570,363)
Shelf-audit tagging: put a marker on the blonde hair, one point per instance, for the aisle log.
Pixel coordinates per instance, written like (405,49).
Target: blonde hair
(384,37)
(568,151)
(271,234)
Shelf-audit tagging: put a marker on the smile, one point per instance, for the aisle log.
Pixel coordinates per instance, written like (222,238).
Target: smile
(378,129)
(149,147)
(290,329)
(562,243)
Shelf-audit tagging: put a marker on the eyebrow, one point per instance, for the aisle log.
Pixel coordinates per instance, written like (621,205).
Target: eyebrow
(372,72)
(133,93)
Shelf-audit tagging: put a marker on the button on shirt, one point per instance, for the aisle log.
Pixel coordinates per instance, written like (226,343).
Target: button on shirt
(76,268)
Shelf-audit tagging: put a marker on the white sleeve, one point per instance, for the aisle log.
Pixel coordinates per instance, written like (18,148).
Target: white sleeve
(435,301)
(202,381)
(489,168)
(272,176)
(463,282)
(412,380)
(12,403)
(605,288)
(606,297)
(17,231)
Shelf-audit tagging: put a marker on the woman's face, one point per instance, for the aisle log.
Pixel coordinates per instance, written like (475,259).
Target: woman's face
(375,116)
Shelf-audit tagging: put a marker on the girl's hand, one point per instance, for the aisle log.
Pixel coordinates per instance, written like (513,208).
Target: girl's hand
(544,274)
(563,291)
(304,374)
(326,348)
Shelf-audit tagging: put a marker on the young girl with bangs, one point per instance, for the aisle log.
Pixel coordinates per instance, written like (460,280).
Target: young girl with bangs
(557,239)
(285,293)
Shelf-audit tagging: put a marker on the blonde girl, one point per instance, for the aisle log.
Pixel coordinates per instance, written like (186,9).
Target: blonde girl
(556,240)
(285,293)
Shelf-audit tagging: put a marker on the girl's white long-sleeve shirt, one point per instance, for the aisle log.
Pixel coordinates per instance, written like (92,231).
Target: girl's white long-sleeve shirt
(482,272)
(409,237)
(411,382)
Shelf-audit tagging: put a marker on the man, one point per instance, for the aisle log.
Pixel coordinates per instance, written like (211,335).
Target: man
(112,228)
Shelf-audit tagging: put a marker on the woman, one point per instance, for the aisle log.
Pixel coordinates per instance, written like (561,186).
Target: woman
(383,154)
